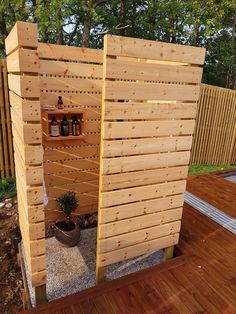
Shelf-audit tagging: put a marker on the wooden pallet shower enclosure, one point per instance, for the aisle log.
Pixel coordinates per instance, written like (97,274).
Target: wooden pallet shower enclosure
(156,121)
(149,102)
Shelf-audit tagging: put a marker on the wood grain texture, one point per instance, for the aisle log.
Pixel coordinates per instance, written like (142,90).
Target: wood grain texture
(149,103)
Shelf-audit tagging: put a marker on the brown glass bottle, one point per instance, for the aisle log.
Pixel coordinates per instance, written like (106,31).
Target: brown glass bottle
(60,103)
(54,127)
(65,130)
(76,126)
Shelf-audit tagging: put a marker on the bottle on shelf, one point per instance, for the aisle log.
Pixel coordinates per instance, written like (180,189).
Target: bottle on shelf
(59,103)
(54,127)
(76,126)
(65,129)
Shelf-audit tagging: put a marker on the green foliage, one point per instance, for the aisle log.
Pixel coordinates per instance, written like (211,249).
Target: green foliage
(68,203)
(7,188)
(206,23)
(193,170)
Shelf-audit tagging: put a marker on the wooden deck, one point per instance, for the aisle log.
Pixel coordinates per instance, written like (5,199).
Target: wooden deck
(202,279)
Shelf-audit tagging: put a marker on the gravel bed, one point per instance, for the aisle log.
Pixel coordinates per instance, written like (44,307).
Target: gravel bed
(73,269)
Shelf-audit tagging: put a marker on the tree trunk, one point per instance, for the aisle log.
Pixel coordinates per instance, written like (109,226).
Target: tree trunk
(86,29)
(59,32)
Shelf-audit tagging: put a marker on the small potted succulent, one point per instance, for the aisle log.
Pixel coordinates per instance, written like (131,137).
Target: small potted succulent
(67,231)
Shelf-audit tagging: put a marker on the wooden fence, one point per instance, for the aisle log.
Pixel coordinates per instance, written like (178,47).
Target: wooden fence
(6,149)
(215,132)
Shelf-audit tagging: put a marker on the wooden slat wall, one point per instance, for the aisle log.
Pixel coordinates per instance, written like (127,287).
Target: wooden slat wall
(75,74)
(150,91)
(214,140)
(7,168)
(27,140)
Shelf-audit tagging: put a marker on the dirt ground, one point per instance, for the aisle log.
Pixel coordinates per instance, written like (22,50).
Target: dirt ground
(10,274)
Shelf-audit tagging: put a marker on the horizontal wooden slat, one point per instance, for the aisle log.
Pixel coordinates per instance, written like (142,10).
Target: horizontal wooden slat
(23,60)
(70,69)
(26,110)
(54,215)
(147,49)
(85,200)
(22,34)
(69,165)
(62,153)
(136,223)
(30,133)
(128,70)
(150,91)
(89,139)
(51,51)
(70,84)
(24,86)
(114,148)
(34,213)
(81,187)
(135,129)
(136,250)
(140,193)
(144,162)
(140,236)
(71,100)
(149,111)
(140,208)
(145,177)
(70,177)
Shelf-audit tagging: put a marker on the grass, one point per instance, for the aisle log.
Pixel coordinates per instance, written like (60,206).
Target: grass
(193,170)
(7,188)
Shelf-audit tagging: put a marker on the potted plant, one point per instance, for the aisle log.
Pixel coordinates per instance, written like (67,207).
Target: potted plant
(67,231)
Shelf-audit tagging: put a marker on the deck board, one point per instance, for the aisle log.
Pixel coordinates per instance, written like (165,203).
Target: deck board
(201,280)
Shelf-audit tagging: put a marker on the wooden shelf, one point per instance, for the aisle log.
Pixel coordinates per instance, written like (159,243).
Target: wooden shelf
(63,111)
(62,138)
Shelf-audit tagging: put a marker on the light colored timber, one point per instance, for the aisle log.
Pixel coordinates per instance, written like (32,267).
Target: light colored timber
(168,253)
(23,60)
(83,151)
(70,69)
(30,133)
(138,146)
(154,50)
(136,250)
(59,52)
(128,70)
(22,34)
(151,91)
(24,86)
(143,177)
(70,165)
(31,154)
(70,84)
(70,177)
(140,236)
(149,111)
(81,187)
(133,129)
(141,193)
(26,110)
(71,100)
(144,162)
(117,213)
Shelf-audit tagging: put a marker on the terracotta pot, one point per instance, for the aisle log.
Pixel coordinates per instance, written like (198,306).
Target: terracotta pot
(67,233)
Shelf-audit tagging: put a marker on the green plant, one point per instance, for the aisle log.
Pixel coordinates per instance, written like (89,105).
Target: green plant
(7,188)
(67,203)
